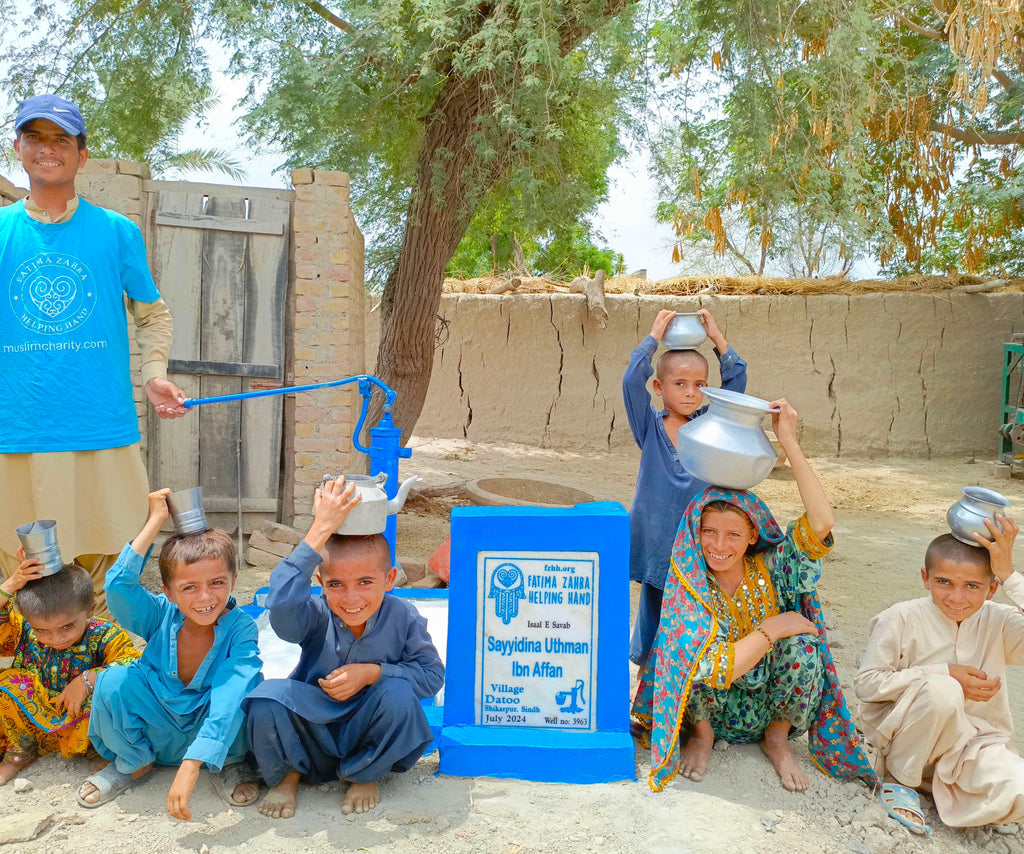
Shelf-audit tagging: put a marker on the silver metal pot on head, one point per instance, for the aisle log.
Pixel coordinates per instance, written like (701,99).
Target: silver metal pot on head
(186,508)
(39,540)
(967,516)
(370,515)
(727,445)
(684,332)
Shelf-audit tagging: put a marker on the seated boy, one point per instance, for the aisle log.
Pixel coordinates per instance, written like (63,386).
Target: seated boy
(931,684)
(663,486)
(58,650)
(351,708)
(181,703)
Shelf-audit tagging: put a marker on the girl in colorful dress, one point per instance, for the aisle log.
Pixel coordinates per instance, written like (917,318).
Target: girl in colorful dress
(58,650)
(741,652)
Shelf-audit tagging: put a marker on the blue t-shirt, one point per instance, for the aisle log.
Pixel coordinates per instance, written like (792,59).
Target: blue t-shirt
(65,378)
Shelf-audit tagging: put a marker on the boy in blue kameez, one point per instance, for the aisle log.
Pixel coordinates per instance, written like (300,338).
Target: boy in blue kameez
(351,708)
(181,703)
(663,486)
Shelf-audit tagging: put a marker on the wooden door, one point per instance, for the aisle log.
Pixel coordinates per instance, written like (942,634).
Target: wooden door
(220,258)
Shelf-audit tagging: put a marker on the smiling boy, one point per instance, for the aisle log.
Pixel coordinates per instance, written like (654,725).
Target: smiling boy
(180,704)
(663,486)
(931,684)
(351,709)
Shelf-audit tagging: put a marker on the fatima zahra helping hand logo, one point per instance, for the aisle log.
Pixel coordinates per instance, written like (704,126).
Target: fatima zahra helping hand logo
(507,587)
(51,294)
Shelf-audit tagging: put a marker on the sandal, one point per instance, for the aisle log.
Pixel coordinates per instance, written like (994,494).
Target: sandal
(230,778)
(110,783)
(896,797)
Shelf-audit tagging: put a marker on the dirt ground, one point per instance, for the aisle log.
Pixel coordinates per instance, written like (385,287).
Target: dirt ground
(887,511)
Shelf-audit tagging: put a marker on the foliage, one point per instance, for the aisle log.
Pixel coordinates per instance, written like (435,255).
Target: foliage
(868,126)
(562,255)
(434,107)
(138,78)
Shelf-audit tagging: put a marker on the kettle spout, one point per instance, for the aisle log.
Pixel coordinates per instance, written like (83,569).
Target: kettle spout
(395,504)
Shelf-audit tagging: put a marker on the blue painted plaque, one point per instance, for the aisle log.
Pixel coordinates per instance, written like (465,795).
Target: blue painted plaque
(537,683)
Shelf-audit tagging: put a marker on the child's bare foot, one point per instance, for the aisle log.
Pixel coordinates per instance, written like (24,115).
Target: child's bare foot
(696,751)
(245,793)
(13,763)
(280,801)
(776,747)
(360,797)
(88,793)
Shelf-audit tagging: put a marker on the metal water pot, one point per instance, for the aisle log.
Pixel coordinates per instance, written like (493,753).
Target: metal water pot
(727,445)
(684,332)
(39,540)
(370,515)
(968,515)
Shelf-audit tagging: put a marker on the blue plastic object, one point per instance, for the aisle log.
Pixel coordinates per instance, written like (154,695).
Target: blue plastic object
(385,448)
(543,573)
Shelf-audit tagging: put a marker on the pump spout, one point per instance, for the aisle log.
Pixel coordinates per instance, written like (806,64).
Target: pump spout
(395,504)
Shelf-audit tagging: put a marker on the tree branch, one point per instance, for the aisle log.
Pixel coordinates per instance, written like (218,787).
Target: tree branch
(573,29)
(1002,78)
(328,16)
(973,136)
(928,33)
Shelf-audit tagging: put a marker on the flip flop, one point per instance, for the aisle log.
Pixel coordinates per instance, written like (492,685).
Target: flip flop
(1006,829)
(229,778)
(896,797)
(110,783)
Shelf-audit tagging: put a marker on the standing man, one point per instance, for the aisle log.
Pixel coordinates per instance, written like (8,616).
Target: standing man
(69,432)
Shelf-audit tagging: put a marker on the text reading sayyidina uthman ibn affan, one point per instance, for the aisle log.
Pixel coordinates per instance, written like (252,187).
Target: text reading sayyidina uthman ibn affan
(537,651)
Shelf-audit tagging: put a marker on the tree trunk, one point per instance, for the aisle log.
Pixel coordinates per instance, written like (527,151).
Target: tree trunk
(435,223)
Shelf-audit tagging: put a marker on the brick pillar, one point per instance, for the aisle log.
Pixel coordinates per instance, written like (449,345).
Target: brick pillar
(326,338)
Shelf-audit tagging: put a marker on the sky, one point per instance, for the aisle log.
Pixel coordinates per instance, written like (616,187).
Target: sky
(626,221)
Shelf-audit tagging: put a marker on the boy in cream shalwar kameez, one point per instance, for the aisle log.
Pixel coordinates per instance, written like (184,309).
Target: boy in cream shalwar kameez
(932,683)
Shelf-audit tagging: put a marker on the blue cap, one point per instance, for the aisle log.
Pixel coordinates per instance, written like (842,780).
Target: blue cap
(55,109)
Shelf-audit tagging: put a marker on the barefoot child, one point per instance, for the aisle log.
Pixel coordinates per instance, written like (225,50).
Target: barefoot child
(181,703)
(741,654)
(932,690)
(58,650)
(663,487)
(351,708)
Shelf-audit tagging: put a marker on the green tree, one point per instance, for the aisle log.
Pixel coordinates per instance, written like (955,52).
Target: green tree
(428,104)
(864,126)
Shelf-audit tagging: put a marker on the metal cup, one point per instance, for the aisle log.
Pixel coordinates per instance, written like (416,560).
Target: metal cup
(186,508)
(40,541)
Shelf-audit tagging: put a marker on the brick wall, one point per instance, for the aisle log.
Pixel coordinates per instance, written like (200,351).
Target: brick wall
(327,339)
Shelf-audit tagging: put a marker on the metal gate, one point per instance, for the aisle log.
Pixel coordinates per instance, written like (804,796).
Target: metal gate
(220,258)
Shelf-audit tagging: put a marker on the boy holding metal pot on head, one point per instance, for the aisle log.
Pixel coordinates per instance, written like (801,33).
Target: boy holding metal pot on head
(350,710)
(180,704)
(931,684)
(663,486)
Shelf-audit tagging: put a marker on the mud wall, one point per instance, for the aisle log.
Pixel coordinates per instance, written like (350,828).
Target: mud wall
(871,375)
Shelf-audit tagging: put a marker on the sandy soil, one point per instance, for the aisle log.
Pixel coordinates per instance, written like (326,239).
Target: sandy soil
(887,513)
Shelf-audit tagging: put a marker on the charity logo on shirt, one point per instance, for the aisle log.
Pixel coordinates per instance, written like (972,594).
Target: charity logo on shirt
(52,293)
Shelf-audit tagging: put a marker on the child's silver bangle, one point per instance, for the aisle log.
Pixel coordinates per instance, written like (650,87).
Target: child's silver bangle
(88,685)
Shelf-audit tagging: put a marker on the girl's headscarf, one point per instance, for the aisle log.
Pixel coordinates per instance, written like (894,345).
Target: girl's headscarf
(688,625)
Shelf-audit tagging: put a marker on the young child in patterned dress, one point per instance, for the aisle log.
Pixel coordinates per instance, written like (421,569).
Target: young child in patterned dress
(58,650)
(740,653)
